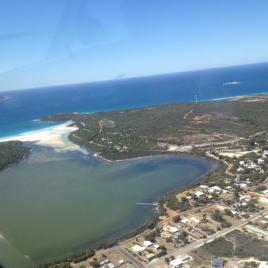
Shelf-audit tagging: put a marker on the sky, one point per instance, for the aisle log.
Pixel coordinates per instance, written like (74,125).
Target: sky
(55,42)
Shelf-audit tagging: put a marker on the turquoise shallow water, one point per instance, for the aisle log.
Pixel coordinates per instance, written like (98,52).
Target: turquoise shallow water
(54,204)
(23,106)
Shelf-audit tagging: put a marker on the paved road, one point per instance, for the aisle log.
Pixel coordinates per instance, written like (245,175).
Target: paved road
(201,242)
(130,257)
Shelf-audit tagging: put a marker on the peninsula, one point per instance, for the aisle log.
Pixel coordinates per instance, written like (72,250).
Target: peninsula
(180,127)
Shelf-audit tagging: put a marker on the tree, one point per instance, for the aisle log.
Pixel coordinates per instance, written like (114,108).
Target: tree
(177,218)
(183,237)
(151,236)
(204,218)
(228,212)
(236,193)
(95,263)
(261,188)
(226,224)
(217,216)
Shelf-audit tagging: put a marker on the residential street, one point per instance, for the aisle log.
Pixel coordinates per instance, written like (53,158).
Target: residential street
(201,242)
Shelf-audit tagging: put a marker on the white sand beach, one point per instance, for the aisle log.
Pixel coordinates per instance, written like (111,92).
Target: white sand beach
(55,137)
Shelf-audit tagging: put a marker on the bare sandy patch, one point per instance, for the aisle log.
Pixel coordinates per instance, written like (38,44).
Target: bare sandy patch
(55,137)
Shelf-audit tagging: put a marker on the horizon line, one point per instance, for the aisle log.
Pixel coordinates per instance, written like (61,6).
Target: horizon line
(134,77)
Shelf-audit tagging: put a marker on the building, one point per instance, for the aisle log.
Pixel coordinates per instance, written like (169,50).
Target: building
(156,246)
(138,248)
(173,229)
(198,194)
(215,189)
(265,192)
(150,256)
(147,244)
(217,263)
(265,153)
(263,265)
(204,187)
(260,161)
(180,261)
(176,263)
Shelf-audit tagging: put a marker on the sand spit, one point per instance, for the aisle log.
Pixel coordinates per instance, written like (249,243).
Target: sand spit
(55,137)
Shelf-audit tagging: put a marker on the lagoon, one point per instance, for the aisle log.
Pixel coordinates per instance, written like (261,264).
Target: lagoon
(57,203)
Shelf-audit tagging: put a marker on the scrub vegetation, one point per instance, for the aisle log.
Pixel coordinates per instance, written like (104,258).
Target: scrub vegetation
(147,131)
(11,153)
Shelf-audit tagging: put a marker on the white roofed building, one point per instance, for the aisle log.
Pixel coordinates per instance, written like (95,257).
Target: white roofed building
(138,248)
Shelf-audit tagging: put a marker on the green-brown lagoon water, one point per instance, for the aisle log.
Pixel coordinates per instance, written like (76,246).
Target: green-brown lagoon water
(54,204)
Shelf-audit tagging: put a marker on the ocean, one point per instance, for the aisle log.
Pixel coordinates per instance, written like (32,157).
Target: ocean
(54,204)
(17,114)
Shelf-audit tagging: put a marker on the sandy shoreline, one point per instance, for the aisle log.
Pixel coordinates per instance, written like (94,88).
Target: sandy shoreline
(99,156)
(55,137)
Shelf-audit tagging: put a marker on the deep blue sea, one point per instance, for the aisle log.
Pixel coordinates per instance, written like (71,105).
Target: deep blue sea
(23,106)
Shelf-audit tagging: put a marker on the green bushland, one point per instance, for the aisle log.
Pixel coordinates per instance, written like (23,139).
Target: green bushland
(137,132)
(238,244)
(11,153)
